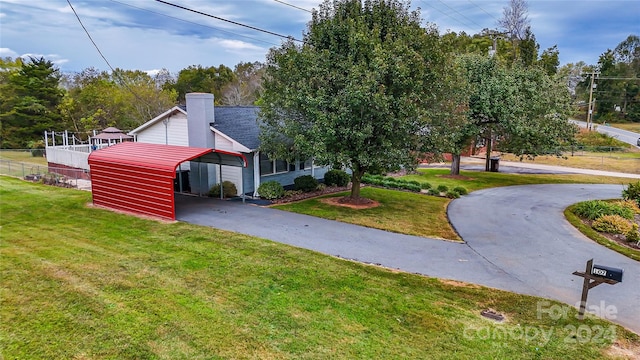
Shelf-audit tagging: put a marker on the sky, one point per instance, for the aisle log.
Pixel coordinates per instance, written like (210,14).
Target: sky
(150,35)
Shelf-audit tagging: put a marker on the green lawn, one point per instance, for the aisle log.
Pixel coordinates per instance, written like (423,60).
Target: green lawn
(423,215)
(85,283)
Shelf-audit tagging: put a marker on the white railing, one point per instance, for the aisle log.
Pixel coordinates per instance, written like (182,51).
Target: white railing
(76,156)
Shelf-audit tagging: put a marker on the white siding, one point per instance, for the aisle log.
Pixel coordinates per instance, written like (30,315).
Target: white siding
(175,132)
(233,174)
(223,144)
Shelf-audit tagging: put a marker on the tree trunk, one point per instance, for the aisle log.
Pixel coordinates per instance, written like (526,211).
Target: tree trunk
(455,164)
(356,177)
(487,166)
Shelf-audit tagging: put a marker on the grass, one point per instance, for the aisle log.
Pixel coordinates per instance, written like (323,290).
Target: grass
(635,127)
(81,282)
(22,156)
(597,237)
(422,215)
(399,211)
(625,162)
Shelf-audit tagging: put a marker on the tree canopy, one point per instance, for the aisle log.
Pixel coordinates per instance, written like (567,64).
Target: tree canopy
(357,92)
(30,99)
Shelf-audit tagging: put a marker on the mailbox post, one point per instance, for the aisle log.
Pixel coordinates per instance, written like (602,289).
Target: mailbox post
(595,275)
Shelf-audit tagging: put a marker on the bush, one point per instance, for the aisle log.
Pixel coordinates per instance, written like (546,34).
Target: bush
(460,190)
(433,192)
(452,195)
(228,190)
(337,178)
(633,235)
(632,192)
(271,190)
(596,208)
(414,182)
(442,188)
(425,185)
(305,183)
(629,204)
(389,184)
(612,224)
(410,187)
(290,193)
(389,178)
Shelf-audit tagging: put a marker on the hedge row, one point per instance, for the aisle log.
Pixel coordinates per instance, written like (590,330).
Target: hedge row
(413,185)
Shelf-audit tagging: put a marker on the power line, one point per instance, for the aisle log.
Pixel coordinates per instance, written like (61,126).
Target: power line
(195,23)
(486,12)
(89,35)
(229,21)
(457,12)
(294,6)
(444,13)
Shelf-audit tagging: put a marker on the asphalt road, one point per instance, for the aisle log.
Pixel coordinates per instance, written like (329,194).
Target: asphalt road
(516,239)
(623,135)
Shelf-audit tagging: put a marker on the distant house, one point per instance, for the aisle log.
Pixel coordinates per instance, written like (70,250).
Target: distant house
(227,128)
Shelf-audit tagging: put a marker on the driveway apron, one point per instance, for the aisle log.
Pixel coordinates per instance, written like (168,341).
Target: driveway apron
(499,252)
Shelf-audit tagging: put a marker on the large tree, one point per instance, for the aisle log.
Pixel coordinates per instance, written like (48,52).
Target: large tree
(357,92)
(30,99)
(197,78)
(524,109)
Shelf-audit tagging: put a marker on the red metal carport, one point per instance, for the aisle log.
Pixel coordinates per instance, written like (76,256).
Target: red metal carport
(138,177)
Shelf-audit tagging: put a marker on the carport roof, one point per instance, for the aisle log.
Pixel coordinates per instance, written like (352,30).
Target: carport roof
(162,157)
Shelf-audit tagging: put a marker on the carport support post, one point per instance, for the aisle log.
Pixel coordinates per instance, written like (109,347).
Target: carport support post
(220,173)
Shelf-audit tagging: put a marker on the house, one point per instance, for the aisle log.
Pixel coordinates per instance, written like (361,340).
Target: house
(225,128)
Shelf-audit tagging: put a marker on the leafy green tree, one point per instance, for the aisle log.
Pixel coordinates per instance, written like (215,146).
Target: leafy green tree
(523,108)
(357,92)
(196,78)
(246,86)
(549,60)
(528,49)
(31,103)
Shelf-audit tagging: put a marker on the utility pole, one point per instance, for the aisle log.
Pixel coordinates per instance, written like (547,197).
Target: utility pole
(591,101)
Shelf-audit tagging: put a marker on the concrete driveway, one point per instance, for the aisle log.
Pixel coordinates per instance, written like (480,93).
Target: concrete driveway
(516,239)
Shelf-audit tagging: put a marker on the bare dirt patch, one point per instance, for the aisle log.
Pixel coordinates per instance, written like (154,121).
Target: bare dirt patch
(345,202)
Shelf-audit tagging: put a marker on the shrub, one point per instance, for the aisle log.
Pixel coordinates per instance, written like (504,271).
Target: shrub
(410,187)
(596,208)
(389,178)
(433,192)
(228,190)
(452,195)
(305,183)
(633,235)
(321,187)
(290,193)
(460,190)
(442,188)
(389,184)
(632,192)
(377,177)
(337,178)
(271,190)
(612,224)
(377,182)
(414,182)
(425,185)
(629,204)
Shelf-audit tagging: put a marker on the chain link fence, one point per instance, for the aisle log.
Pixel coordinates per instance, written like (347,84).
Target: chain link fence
(38,170)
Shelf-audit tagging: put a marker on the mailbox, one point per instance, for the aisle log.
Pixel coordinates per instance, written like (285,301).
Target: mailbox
(607,272)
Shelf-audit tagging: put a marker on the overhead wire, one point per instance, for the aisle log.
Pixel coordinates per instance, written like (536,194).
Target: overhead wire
(444,13)
(229,21)
(293,6)
(195,23)
(113,71)
(459,13)
(485,11)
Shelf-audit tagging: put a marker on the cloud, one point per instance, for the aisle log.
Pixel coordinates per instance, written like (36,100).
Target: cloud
(6,52)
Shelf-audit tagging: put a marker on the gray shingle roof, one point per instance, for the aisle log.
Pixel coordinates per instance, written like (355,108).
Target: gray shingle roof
(240,123)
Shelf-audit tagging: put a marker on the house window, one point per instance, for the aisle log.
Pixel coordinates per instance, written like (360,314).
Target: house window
(307,164)
(268,166)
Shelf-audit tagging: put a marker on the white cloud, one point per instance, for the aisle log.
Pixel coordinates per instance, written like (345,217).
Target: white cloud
(6,52)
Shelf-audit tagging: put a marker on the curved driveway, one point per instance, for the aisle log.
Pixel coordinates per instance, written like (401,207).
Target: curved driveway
(516,239)
(522,230)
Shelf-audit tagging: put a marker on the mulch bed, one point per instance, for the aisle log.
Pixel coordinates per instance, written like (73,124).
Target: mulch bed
(312,194)
(618,238)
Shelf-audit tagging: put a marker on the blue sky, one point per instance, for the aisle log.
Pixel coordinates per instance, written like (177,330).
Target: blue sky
(148,35)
